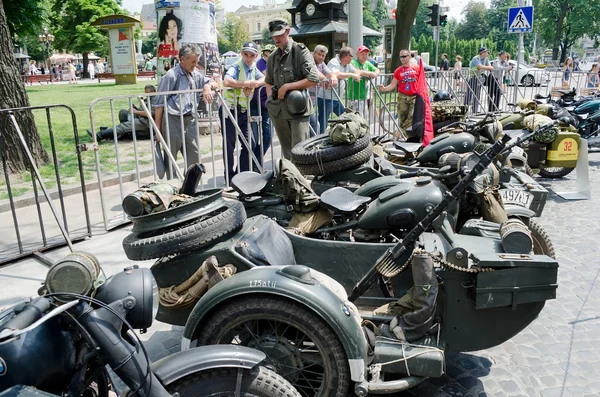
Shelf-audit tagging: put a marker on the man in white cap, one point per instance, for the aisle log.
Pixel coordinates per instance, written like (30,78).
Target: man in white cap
(240,80)
(291,67)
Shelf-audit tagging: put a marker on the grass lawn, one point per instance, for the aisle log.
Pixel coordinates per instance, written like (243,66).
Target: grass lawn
(79,97)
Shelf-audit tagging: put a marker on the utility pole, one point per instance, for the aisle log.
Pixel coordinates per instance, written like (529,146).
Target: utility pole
(355,24)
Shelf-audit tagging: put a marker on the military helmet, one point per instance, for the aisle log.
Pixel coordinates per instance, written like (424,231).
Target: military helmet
(296,101)
(441,96)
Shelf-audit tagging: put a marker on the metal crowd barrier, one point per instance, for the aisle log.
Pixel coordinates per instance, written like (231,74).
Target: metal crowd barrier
(73,220)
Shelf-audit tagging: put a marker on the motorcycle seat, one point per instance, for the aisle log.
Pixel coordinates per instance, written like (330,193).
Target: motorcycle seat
(343,200)
(407,147)
(248,183)
(565,92)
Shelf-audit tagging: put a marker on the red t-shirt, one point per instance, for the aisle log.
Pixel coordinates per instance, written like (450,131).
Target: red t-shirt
(407,79)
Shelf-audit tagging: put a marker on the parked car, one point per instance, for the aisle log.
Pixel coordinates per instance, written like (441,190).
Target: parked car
(140,61)
(529,76)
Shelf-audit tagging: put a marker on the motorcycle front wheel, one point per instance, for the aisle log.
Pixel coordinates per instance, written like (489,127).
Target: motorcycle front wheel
(257,382)
(555,172)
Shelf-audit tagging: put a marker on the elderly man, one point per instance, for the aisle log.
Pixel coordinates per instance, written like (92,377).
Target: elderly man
(327,100)
(182,109)
(289,68)
(479,64)
(496,79)
(326,78)
(241,79)
(359,90)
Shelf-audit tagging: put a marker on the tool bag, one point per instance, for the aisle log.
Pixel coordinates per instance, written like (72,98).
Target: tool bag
(295,189)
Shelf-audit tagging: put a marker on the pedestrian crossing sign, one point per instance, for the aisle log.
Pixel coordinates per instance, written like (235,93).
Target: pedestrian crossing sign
(520,19)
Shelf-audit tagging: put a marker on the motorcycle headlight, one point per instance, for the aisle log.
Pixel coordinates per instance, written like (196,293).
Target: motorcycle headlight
(138,283)
(77,273)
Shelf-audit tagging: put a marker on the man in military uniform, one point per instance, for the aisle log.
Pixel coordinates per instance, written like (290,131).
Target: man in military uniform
(291,67)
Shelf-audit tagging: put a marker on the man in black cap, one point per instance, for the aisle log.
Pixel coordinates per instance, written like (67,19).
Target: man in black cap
(240,81)
(291,67)
(479,64)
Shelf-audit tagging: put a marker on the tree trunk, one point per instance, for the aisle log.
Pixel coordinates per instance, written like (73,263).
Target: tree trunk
(406,10)
(559,29)
(13,95)
(86,62)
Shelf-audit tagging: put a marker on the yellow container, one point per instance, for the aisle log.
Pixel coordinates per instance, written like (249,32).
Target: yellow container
(563,151)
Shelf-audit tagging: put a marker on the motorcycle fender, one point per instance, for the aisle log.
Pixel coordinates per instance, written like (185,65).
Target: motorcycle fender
(273,280)
(184,363)
(513,210)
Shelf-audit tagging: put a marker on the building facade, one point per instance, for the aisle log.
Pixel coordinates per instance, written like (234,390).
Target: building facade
(256,18)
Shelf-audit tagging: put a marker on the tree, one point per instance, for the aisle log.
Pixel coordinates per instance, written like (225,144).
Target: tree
(13,95)
(371,20)
(475,23)
(404,24)
(421,27)
(266,37)
(25,17)
(149,44)
(70,21)
(235,32)
(561,23)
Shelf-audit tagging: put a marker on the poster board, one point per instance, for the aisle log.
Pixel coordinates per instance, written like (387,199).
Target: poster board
(121,51)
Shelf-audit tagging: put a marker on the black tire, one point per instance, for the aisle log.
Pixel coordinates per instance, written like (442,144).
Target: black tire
(541,241)
(320,149)
(529,171)
(256,382)
(555,172)
(183,238)
(276,326)
(338,165)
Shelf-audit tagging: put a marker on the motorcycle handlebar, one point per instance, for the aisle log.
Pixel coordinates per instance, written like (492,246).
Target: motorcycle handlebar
(31,313)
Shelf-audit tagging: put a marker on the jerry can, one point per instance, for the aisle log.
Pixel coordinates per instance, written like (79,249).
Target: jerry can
(563,151)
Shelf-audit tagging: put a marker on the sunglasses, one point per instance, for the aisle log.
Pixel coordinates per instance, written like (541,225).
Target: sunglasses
(404,56)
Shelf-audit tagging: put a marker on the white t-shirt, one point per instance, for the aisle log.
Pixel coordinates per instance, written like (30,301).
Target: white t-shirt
(336,66)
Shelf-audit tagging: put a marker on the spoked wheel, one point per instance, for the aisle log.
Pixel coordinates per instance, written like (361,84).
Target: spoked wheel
(541,241)
(298,344)
(555,172)
(255,382)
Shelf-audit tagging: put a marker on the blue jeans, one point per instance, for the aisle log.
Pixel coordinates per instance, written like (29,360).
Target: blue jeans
(324,109)
(314,125)
(266,131)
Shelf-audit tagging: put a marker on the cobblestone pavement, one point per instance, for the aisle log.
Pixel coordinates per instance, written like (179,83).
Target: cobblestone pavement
(559,353)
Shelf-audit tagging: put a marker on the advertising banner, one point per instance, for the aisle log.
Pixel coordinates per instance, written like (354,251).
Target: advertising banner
(122,51)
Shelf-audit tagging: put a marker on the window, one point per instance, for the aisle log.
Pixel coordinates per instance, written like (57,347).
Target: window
(248,28)
(258,26)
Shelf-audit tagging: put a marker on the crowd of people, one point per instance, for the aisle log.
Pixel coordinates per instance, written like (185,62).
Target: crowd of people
(66,71)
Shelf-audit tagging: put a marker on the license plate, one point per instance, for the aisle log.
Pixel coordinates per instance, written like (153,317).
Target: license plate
(517,197)
(517,150)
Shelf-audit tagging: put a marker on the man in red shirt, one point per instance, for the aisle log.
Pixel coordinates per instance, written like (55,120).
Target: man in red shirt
(405,80)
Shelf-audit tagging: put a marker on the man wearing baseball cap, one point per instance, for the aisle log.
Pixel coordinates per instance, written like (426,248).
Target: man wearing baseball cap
(240,80)
(359,91)
(291,67)
(479,64)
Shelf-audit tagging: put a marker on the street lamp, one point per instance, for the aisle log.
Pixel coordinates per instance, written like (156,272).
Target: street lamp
(46,38)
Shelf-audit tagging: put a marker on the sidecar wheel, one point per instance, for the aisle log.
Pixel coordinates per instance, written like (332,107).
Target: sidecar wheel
(541,241)
(337,165)
(555,172)
(298,343)
(321,149)
(186,237)
(257,382)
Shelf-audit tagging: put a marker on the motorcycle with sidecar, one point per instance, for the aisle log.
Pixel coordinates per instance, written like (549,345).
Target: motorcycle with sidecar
(60,344)
(293,298)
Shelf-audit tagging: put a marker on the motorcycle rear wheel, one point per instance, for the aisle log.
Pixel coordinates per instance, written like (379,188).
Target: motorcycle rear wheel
(257,382)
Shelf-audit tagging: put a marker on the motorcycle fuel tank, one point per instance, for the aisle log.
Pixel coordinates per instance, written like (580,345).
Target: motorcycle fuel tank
(588,107)
(461,142)
(43,357)
(402,206)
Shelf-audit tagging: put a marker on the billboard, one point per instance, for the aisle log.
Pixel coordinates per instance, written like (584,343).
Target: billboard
(122,51)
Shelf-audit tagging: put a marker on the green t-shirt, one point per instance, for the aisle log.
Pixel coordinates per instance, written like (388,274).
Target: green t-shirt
(149,65)
(358,89)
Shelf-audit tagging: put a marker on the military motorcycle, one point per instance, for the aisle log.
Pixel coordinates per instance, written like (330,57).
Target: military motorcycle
(304,318)
(59,344)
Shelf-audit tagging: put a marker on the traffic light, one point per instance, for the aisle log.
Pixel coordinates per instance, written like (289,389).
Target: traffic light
(434,14)
(443,20)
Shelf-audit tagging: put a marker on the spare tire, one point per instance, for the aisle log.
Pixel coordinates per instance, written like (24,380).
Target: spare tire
(342,164)
(320,149)
(186,237)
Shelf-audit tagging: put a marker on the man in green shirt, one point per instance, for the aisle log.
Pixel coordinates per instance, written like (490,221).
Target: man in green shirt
(149,66)
(359,91)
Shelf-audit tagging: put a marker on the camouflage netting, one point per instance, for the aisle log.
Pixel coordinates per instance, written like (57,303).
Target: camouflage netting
(445,110)
(156,197)
(534,121)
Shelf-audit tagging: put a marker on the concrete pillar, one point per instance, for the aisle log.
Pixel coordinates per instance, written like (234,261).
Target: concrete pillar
(355,24)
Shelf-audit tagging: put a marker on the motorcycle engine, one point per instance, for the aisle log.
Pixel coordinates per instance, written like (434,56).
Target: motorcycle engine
(488,178)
